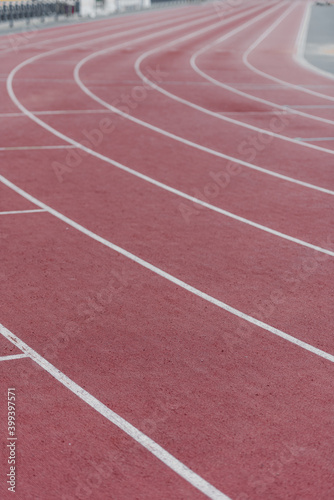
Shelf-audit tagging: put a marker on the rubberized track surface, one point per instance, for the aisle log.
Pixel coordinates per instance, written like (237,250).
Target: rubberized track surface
(166,218)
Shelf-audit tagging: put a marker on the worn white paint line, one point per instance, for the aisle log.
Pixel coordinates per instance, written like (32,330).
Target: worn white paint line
(154,448)
(14,212)
(13,356)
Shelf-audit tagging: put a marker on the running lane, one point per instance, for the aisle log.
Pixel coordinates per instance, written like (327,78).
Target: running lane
(279,79)
(199,168)
(229,400)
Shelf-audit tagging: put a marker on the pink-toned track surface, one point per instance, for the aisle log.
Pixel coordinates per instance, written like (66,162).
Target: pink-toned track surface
(166,263)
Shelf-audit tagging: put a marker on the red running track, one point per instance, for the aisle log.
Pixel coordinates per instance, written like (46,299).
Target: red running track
(166,272)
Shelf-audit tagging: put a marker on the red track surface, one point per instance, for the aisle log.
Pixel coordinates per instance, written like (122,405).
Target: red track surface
(149,333)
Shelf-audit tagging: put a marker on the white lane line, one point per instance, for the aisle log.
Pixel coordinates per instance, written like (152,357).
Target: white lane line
(162,131)
(160,184)
(315,139)
(310,106)
(172,190)
(300,47)
(272,86)
(25,148)
(154,448)
(13,356)
(264,35)
(156,270)
(10,115)
(193,199)
(57,112)
(13,212)
(71,111)
(220,116)
(234,90)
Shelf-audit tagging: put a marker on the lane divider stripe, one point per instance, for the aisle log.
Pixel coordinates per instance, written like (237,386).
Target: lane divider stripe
(168,276)
(141,438)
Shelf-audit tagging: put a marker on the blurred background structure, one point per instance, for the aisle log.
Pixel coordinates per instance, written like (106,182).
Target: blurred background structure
(12,11)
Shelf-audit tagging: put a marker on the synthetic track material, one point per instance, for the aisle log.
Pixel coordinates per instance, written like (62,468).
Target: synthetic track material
(235,401)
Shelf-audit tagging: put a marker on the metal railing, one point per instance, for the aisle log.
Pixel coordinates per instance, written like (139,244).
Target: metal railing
(14,11)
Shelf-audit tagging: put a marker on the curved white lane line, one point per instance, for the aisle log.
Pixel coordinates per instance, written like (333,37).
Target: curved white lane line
(30,148)
(176,137)
(219,115)
(161,185)
(144,177)
(124,252)
(138,174)
(245,94)
(183,195)
(198,201)
(167,276)
(299,54)
(154,448)
(264,35)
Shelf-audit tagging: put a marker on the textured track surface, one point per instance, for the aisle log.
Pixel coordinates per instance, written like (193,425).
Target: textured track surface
(166,231)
